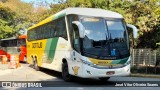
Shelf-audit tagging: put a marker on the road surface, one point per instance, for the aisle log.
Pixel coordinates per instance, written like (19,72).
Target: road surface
(54,80)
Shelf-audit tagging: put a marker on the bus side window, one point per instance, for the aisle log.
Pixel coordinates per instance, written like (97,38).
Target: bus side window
(60,27)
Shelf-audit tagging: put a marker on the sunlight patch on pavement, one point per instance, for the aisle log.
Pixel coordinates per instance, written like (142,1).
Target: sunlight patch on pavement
(4,69)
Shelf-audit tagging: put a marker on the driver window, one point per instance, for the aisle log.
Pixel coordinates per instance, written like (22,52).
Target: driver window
(76,41)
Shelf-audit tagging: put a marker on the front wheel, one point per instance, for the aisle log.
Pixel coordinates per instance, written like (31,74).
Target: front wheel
(104,78)
(65,73)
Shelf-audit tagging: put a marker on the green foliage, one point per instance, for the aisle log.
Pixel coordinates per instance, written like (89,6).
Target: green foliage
(80,3)
(5,29)
(3,1)
(5,12)
(15,14)
(5,24)
(146,17)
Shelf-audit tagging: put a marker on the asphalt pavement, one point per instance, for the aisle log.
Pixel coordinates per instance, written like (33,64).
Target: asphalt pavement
(52,80)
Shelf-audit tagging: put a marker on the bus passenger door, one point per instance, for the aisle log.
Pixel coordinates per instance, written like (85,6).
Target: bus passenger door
(76,54)
(76,42)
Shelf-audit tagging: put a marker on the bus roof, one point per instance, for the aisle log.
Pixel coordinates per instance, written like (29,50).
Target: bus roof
(95,12)
(16,37)
(9,38)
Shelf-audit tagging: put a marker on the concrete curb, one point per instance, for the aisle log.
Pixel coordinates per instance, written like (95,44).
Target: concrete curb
(145,75)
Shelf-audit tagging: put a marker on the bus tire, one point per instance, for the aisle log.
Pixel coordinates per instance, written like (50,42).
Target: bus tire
(104,78)
(65,73)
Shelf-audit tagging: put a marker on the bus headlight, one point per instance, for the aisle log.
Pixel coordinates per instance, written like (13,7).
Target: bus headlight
(87,63)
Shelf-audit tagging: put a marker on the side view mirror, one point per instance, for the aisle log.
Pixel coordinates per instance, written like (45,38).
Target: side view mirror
(80,28)
(135,30)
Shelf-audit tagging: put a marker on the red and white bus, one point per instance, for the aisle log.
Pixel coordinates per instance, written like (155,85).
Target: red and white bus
(14,46)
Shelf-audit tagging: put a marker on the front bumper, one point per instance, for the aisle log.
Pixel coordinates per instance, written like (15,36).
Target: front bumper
(91,72)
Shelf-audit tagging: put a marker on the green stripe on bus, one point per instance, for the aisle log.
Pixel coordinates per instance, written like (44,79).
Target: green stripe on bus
(120,61)
(51,48)
(115,61)
(123,61)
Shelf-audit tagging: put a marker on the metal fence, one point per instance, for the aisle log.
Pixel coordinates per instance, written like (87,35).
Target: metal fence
(145,61)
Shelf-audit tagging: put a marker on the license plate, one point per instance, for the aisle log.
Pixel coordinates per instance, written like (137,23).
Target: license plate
(110,72)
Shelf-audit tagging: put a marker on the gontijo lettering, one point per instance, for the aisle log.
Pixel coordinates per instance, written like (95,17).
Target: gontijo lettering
(37,45)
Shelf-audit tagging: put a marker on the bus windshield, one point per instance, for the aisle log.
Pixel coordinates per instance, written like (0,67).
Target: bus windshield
(105,38)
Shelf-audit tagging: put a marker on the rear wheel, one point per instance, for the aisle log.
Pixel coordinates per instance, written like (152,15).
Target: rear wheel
(65,73)
(104,78)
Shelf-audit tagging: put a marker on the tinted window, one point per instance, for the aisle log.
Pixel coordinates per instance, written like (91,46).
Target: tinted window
(9,43)
(70,19)
(56,28)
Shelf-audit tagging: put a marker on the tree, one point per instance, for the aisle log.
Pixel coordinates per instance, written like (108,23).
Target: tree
(5,24)
(5,29)
(145,16)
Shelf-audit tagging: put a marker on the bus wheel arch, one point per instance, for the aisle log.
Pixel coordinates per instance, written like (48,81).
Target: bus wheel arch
(65,71)
(64,60)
